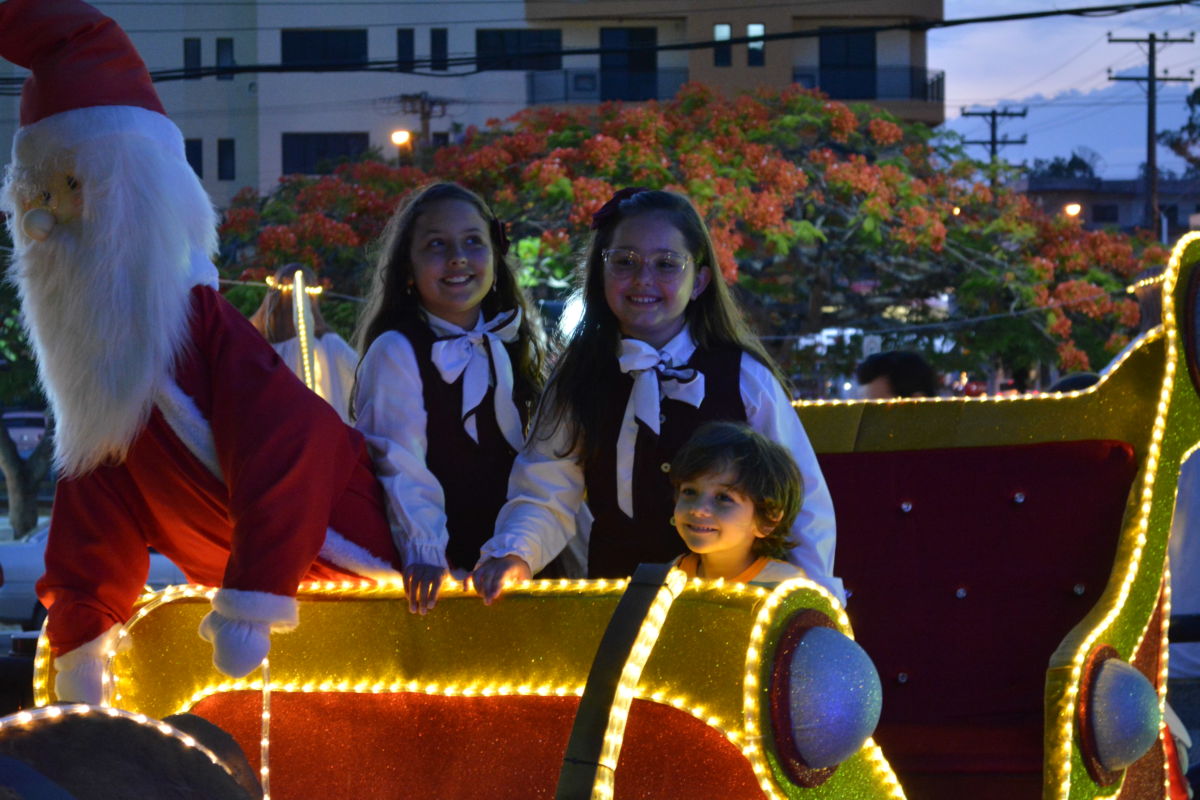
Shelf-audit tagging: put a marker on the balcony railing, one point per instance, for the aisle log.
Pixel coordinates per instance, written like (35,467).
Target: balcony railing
(594,85)
(874,83)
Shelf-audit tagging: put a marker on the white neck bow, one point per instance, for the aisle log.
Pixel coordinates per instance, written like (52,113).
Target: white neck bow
(466,354)
(655,376)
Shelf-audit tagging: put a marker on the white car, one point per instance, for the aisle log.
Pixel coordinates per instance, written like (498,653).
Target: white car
(23,562)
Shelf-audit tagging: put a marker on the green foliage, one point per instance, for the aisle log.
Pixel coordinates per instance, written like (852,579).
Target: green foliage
(1058,167)
(1185,142)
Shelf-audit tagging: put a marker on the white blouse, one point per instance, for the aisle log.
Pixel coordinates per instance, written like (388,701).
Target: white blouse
(546,491)
(334,362)
(390,412)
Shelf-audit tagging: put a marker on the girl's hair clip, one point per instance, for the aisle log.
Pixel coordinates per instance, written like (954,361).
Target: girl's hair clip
(613,207)
(500,235)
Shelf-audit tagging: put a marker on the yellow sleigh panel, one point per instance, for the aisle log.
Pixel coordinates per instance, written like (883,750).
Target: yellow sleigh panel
(477,701)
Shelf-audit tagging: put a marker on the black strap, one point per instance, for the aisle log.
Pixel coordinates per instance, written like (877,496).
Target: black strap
(582,759)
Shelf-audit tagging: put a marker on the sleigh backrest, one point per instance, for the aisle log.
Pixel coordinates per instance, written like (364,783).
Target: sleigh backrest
(988,544)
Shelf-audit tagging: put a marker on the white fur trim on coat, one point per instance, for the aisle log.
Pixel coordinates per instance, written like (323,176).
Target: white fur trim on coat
(182,415)
(96,648)
(349,556)
(67,129)
(283,613)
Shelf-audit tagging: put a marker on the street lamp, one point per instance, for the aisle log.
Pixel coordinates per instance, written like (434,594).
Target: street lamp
(1072,209)
(403,140)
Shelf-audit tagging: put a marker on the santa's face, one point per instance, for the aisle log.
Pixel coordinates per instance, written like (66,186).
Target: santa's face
(61,197)
(46,198)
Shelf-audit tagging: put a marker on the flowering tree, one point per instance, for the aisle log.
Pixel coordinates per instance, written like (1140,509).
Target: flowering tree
(823,215)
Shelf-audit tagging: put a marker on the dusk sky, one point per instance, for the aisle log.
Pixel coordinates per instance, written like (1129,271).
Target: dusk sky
(1057,67)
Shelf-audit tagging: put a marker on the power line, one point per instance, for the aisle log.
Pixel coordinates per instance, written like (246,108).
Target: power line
(472,60)
(8,86)
(522,19)
(1057,69)
(916,25)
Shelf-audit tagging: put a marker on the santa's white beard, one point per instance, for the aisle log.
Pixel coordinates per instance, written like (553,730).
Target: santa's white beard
(106,297)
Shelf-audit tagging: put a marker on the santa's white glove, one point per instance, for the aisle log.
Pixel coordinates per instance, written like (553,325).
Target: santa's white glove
(80,672)
(239,645)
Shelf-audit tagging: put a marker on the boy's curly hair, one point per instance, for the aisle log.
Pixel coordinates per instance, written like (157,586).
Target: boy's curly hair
(762,470)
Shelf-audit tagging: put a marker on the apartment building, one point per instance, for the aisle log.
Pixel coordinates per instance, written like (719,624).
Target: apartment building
(372,67)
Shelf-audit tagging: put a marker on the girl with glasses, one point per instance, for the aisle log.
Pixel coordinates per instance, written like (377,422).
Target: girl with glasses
(662,348)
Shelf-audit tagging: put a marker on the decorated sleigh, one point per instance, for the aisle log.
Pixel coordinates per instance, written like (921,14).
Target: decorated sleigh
(1005,559)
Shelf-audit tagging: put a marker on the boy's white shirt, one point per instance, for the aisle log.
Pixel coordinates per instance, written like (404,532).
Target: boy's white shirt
(390,413)
(546,490)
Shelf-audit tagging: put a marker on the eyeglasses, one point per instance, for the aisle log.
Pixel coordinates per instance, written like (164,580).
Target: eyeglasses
(622,262)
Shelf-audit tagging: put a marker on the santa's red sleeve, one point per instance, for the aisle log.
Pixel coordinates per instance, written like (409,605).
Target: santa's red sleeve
(96,559)
(285,457)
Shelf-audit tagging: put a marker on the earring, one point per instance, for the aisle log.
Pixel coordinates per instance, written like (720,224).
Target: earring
(408,289)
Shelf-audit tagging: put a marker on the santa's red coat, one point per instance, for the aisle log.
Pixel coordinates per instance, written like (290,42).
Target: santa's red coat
(242,477)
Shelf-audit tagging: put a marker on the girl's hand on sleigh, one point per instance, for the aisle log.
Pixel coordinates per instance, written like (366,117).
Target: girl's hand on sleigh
(422,582)
(493,575)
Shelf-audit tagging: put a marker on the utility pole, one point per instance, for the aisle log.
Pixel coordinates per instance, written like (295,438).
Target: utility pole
(1152,82)
(426,108)
(993,142)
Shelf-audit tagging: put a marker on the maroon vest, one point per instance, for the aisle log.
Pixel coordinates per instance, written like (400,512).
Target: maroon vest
(473,475)
(618,543)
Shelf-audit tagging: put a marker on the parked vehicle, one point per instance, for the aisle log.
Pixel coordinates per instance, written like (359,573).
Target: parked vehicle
(26,429)
(22,563)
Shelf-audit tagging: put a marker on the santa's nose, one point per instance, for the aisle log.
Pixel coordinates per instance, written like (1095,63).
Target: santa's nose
(37,223)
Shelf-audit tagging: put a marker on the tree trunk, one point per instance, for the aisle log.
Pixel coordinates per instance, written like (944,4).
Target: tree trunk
(22,477)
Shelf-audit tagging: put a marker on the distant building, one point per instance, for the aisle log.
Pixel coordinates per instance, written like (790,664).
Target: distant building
(1118,204)
(442,66)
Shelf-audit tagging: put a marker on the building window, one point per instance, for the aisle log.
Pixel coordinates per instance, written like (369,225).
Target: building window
(193,151)
(313,48)
(319,153)
(225,58)
(441,138)
(226,160)
(756,52)
(1105,213)
(439,50)
(722,53)
(191,59)
(628,64)
(1171,213)
(515,48)
(405,50)
(848,64)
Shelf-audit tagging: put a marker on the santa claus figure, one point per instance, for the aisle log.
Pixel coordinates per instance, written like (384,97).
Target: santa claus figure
(177,425)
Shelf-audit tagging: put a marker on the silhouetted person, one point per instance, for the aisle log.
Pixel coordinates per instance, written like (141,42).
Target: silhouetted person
(896,373)
(1075,382)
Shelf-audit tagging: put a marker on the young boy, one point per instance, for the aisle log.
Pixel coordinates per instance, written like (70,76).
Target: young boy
(736,496)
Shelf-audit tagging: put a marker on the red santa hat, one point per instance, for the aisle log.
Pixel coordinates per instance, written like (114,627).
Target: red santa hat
(88,80)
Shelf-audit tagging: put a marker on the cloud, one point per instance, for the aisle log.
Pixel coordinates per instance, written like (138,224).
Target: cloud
(1058,68)
(991,63)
